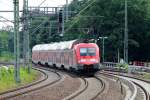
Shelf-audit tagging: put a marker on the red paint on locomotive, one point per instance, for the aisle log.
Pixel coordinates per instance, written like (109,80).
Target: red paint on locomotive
(87,53)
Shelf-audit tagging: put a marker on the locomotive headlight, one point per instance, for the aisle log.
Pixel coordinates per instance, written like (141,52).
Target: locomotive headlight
(82,60)
(93,60)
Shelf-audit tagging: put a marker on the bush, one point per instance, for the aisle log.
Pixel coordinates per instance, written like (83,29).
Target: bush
(7,80)
(123,66)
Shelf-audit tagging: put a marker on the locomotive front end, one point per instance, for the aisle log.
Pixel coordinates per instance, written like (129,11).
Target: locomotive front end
(88,57)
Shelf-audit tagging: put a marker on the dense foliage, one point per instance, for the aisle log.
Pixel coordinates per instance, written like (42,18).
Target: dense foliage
(91,19)
(43,28)
(6,45)
(106,18)
(95,18)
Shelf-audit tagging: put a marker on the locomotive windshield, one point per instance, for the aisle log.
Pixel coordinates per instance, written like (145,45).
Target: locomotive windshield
(87,51)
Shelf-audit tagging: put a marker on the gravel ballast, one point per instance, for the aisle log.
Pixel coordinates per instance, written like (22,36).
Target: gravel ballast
(112,90)
(56,92)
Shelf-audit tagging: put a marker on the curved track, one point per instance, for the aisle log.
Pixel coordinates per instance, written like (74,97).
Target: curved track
(143,88)
(141,85)
(102,88)
(90,89)
(45,81)
(44,77)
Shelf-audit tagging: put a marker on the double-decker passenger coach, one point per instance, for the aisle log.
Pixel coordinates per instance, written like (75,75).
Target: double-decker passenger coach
(71,55)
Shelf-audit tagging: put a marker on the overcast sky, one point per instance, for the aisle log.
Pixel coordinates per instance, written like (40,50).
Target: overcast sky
(8,5)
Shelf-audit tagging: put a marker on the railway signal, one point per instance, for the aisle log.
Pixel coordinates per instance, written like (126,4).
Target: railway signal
(60,16)
(61,22)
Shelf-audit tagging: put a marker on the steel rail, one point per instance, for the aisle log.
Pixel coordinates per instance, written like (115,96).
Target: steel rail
(77,93)
(86,84)
(85,88)
(144,90)
(30,85)
(102,89)
(132,77)
(80,91)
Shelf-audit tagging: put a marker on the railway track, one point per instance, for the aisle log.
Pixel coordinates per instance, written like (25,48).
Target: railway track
(86,87)
(102,89)
(44,82)
(44,77)
(89,90)
(146,94)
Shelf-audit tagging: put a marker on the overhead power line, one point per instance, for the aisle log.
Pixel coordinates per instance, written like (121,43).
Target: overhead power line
(92,16)
(8,11)
(41,3)
(7,20)
(44,2)
(4,23)
(75,18)
(44,21)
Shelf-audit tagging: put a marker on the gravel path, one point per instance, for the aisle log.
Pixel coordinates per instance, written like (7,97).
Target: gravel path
(55,92)
(112,90)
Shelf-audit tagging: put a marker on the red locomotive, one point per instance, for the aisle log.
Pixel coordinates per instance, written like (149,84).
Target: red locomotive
(70,55)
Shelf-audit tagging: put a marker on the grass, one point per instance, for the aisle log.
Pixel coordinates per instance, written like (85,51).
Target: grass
(7,80)
(146,76)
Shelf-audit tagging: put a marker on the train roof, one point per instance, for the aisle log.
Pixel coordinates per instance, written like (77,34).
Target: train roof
(54,46)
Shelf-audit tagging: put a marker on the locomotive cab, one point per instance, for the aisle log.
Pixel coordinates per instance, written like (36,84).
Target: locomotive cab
(87,56)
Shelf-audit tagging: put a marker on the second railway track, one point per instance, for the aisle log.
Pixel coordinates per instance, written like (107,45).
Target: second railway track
(92,88)
(45,81)
(144,92)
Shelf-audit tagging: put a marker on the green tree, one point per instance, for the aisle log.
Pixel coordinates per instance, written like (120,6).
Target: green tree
(106,18)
